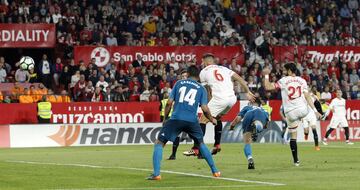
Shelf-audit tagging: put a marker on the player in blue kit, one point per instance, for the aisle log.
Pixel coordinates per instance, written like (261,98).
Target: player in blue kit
(186,95)
(255,119)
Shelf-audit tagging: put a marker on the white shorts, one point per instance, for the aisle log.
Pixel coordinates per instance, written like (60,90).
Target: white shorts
(336,121)
(295,116)
(221,107)
(309,119)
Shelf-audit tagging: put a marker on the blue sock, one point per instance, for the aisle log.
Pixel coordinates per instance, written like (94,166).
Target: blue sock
(207,155)
(247,151)
(157,156)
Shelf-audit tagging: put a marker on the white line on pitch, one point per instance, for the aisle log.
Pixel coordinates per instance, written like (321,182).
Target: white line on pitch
(147,170)
(174,187)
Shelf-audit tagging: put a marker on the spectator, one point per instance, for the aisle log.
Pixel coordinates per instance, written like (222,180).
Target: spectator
(22,75)
(234,66)
(138,62)
(89,91)
(98,95)
(2,72)
(79,89)
(135,95)
(102,83)
(26,97)
(65,78)
(33,77)
(108,96)
(57,69)
(326,95)
(45,71)
(189,26)
(111,40)
(74,79)
(119,96)
(145,95)
(354,77)
(150,26)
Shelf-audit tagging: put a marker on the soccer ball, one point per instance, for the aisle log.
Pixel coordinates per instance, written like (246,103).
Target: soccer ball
(27,63)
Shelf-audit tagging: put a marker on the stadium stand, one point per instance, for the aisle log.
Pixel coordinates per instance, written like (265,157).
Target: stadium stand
(255,25)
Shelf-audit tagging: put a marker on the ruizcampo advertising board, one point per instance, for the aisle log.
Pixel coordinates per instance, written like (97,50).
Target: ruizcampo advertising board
(84,112)
(27,35)
(102,55)
(91,112)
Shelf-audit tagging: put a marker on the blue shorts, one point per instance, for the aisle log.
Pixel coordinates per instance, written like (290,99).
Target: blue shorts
(172,128)
(253,122)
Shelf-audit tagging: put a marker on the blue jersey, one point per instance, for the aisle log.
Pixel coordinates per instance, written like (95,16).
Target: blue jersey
(254,114)
(187,95)
(258,114)
(245,110)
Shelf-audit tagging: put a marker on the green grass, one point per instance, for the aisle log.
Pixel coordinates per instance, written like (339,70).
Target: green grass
(334,167)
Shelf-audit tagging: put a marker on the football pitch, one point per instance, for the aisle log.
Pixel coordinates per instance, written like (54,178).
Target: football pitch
(336,166)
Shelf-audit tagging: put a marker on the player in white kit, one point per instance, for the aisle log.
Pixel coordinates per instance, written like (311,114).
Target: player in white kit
(338,108)
(295,100)
(310,121)
(218,81)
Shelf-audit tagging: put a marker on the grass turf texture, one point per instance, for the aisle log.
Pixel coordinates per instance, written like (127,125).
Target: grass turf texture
(336,166)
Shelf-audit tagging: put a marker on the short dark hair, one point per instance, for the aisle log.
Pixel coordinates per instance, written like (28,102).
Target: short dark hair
(193,71)
(257,101)
(291,67)
(208,55)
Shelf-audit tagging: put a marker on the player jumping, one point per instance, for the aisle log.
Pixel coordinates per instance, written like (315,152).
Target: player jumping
(186,95)
(255,119)
(295,97)
(218,80)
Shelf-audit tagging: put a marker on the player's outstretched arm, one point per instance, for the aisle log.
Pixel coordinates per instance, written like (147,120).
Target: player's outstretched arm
(236,120)
(267,84)
(243,83)
(207,114)
(168,108)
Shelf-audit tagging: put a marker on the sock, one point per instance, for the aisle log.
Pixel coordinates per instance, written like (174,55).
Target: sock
(316,137)
(306,134)
(175,146)
(328,132)
(283,132)
(157,156)
(203,128)
(293,147)
(346,133)
(207,155)
(247,151)
(218,131)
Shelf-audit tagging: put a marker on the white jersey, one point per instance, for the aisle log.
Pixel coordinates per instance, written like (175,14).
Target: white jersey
(339,107)
(292,92)
(219,80)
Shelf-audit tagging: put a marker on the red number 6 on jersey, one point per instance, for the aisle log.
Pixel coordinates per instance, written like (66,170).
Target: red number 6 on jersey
(218,76)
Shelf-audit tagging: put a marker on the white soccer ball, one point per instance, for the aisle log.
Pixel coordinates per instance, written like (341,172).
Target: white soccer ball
(27,63)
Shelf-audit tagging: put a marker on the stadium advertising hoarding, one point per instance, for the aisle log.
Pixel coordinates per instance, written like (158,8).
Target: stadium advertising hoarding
(58,135)
(84,112)
(102,55)
(27,35)
(316,54)
(338,133)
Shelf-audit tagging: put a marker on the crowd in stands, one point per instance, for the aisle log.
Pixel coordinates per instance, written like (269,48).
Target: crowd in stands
(177,23)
